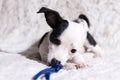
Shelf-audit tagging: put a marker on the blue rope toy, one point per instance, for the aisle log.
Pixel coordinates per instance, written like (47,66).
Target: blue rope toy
(48,72)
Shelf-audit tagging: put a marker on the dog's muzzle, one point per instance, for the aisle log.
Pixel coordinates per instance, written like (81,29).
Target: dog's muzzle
(54,62)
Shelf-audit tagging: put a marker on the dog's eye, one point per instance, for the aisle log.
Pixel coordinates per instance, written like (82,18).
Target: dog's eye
(73,50)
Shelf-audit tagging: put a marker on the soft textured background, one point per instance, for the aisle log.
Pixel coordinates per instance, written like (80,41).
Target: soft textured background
(21,28)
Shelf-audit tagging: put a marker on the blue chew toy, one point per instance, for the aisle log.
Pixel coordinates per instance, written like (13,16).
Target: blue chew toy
(48,72)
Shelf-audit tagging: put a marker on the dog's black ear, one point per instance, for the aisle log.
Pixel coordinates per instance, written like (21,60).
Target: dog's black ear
(52,17)
(83,16)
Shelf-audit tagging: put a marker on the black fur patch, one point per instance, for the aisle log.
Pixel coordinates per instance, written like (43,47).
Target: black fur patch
(82,16)
(41,40)
(91,39)
(52,17)
(58,31)
(56,22)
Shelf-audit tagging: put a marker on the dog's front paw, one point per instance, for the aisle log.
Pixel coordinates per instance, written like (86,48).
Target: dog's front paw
(96,55)
(69,66)
(82,65)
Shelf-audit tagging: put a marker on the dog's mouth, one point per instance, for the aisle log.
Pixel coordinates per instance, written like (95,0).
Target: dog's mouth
(54,62)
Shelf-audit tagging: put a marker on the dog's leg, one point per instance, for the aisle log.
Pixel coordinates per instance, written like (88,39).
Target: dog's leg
(92,45)
(94,49)
(43,47)
(79,61)
(69,66)
(76,62)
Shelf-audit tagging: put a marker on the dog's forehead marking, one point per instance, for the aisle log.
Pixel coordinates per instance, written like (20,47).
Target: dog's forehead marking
(74,32)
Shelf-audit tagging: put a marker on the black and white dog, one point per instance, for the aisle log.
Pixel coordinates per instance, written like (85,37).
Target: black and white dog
(67,40)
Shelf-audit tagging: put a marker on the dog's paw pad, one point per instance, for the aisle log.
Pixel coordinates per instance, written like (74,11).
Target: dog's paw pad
(97,55)
(69,66)
(82,65)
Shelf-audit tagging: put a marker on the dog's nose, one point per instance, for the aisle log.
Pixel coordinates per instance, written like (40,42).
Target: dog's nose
(73,50)
(54,62)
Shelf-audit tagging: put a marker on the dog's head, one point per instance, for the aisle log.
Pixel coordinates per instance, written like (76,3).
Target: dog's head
(64,37)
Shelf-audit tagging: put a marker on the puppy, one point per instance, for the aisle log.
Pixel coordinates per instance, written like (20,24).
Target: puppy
(66,41)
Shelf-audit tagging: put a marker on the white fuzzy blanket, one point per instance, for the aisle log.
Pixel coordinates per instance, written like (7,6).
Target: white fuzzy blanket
(21,28)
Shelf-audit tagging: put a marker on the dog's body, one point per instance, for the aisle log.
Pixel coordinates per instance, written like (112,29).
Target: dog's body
(66,41)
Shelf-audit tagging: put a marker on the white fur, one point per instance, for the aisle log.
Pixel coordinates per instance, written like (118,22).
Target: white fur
(73,37)
(96,50)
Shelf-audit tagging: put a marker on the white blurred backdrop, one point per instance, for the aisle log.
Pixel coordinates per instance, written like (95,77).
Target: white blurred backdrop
(21,26)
